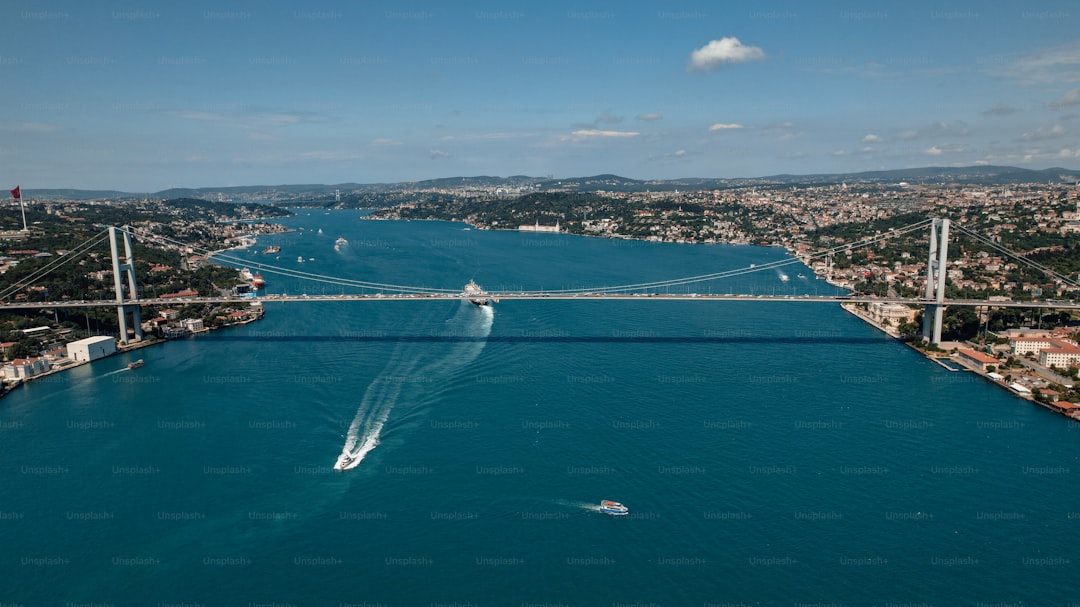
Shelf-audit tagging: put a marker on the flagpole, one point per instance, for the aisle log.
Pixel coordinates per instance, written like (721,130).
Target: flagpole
(17,194)
(22,206)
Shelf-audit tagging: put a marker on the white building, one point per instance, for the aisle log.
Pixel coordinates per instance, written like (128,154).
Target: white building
(539,228)
(21,368)
(91,348)
(1022,346)
(193,324)
(1059,354)
(896,313)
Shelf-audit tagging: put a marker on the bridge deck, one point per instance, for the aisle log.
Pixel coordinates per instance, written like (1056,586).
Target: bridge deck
(642,297)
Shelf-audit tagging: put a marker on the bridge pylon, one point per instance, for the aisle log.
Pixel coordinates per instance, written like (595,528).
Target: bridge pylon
(936,269)
(125,306)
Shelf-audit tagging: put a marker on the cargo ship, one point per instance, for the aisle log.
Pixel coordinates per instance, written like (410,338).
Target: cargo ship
(475,294)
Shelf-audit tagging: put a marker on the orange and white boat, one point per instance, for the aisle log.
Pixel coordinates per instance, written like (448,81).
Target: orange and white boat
(613,508)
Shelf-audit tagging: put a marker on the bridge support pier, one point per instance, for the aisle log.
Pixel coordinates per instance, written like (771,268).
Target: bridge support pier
(936,269)
(124,307)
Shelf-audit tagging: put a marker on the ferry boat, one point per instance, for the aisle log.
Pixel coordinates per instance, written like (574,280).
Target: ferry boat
(613,508)
(136,364)
(475,294)
(257,281)
(340,243)
(270,250)
(245,275)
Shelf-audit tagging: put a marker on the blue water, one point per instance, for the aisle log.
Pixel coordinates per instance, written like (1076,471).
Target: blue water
(771,453)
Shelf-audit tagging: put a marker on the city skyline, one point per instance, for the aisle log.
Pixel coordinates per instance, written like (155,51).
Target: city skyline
(143,97)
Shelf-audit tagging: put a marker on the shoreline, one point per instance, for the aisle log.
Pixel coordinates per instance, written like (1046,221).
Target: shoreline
(120,349)
(850,308)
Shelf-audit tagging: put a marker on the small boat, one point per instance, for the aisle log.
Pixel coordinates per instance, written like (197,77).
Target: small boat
(270,250)
(340,243)
(136,364)
(300,259)
(613,508)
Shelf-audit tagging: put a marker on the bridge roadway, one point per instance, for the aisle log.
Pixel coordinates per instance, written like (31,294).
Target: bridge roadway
(173,301)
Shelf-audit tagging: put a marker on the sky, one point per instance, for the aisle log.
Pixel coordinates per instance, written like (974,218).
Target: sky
(143,96)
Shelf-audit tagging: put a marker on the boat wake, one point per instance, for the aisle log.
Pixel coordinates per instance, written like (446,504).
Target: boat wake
(404,371)
(591,507)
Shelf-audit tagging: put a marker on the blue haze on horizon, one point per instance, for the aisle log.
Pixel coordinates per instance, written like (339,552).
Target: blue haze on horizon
(141,96)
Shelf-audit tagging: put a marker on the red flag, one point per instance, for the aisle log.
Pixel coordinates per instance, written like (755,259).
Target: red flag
(16,193)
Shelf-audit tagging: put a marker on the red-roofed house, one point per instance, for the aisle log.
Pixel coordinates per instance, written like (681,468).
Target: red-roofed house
(978,360)
(184,293)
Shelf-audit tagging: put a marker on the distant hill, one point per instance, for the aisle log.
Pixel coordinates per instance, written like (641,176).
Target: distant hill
(73,194)
(974,175)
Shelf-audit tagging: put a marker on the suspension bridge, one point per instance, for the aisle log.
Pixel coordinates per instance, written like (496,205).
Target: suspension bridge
(128,302)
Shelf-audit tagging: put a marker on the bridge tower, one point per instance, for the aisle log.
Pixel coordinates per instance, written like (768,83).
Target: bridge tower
(124,306)
(935,280)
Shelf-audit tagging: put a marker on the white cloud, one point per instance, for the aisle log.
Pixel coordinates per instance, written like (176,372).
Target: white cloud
(382,142)
(650,116)
(953,128)
(839,152)
(439,154)
(1047,66)
(908,135)
(1043,133)
(680,153)
(1071,98)
(260,136)
(938,150)
(1067,153)
(589,133)
(716,53)
(871,138)
(783,131)
(720,126)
